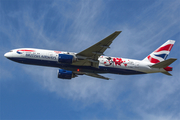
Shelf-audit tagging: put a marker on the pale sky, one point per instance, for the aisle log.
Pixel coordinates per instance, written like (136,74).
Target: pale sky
(34,92)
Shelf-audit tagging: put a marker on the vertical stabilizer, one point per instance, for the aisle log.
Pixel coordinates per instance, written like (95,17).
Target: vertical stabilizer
(161,53)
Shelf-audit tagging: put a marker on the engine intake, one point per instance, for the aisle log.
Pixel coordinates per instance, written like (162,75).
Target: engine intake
(65,74)
(64,58)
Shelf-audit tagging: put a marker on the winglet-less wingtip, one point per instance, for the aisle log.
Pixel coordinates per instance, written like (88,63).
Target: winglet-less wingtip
(118,31)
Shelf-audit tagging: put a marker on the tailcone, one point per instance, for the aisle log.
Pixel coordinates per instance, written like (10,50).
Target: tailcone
(168,68)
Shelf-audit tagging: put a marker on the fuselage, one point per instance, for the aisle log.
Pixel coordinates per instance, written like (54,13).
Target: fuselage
(107,64)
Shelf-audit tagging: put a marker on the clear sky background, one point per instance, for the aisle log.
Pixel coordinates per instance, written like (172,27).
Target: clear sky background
(34,92)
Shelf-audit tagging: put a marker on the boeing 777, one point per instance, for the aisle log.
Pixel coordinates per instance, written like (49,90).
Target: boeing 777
(92,61)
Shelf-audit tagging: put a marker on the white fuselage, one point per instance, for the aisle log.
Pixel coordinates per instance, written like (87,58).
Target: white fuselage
(106,64)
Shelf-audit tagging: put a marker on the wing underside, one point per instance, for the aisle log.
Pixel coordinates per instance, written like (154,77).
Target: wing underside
(97,76)
(91,74)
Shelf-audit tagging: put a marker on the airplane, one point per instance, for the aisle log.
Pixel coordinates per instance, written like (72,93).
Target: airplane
(92,61)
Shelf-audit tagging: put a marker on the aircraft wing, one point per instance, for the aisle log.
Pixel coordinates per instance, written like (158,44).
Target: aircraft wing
(92,53)
(96,75)
(91,74)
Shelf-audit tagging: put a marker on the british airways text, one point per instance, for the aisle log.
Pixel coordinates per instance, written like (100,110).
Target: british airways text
(41,56)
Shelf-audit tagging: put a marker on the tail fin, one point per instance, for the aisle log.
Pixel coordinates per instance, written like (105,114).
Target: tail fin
(161,53)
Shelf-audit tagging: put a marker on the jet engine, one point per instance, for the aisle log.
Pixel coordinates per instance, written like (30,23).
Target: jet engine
(65,58)
(65,74)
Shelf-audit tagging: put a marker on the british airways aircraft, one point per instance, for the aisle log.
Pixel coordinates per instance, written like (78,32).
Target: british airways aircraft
(92,61)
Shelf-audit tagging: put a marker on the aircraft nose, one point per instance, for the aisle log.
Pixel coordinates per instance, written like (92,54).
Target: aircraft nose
(6,55)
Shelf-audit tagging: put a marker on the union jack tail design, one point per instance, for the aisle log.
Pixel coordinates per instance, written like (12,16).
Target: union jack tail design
(161,53)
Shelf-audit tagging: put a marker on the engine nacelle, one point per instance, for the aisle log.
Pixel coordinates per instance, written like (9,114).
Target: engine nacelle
(65,74)
(64,58)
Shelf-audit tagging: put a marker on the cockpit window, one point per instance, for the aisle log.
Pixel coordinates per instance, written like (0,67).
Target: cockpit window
(11,51)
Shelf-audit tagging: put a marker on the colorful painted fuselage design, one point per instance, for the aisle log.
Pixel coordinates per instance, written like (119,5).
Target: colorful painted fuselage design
(106,64)
(73,64)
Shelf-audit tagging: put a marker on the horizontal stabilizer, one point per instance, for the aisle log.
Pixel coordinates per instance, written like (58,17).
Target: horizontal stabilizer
(164,64)
(167,73)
